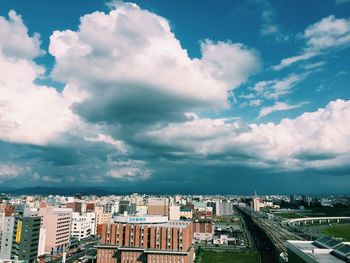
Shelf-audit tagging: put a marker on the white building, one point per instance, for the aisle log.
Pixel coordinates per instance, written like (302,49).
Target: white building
(256,205)
(6,240)
(42,241)
(83,225)
(224,208)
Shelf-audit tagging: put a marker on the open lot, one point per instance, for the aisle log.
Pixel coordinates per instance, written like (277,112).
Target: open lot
(228,257)
(338,231)
(341,230)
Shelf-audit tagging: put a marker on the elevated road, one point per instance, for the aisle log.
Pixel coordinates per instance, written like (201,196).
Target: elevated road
(312,220)
(276,232)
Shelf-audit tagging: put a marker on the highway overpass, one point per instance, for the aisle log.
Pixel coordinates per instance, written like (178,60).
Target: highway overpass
(316,220)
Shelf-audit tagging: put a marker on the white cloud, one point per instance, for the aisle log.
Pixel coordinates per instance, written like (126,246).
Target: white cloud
(14,38)
(317,139)
(133,67)
(268,26)
(118,144)
(291,60)
(10,171)
(130,174)
(274,89)
(330,32)
(46,178)
(129,170)
(29,113)
(327,34)
(229,62)
(278,106)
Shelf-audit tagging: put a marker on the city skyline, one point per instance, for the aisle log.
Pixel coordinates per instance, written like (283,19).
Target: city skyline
(157,96)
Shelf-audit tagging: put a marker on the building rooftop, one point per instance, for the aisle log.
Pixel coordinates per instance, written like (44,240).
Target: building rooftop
(323,250)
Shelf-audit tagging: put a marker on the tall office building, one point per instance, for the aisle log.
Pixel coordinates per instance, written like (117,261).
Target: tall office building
(57,224)
(145,239)
(26,238)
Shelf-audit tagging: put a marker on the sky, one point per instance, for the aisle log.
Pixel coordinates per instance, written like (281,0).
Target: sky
(176,96)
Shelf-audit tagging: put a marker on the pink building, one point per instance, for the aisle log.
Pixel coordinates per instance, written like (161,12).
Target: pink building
(57,224)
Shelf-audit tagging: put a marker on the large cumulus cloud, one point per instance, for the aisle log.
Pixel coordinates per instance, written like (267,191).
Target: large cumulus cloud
(317,139)
(29,113)
(135,70)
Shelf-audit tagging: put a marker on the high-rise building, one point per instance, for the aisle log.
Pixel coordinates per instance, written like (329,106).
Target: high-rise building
(57,223)
(26,238)
(7,235)
(255,204)
(145,239)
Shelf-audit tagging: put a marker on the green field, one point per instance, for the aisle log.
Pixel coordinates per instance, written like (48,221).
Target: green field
(331,211)
(228,257)
(338,231)
(289,215)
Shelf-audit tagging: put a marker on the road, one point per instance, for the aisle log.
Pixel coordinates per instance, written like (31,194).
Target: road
(275,231)
(89,251)
(262,242)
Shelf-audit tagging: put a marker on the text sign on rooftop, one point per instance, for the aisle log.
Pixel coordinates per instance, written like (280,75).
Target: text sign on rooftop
(137,219)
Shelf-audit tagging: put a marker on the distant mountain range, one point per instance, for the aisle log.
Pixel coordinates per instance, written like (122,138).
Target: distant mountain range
(43,190)
(102,190)
(40,190)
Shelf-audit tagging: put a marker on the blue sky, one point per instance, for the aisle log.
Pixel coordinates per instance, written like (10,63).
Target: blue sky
(231,96)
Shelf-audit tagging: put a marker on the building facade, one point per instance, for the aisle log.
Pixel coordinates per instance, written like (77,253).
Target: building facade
(6,239)
(158,206)
(147,240)
(57,224)
(83,225)
(26,238)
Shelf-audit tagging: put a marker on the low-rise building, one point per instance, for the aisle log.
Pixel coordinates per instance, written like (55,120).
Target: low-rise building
(322,250)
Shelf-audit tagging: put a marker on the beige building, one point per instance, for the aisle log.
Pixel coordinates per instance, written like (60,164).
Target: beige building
(101,216)
(174,213)
(57,224)
(158,206)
